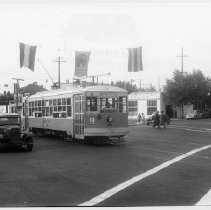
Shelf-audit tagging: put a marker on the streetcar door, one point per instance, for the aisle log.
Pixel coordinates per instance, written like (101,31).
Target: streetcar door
(78,116)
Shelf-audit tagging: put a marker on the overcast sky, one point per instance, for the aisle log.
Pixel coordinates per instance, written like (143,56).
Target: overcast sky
(107,30)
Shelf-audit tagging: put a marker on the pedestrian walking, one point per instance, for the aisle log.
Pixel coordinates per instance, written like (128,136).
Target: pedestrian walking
(163,119)
(139,119)
(142,118)
(157,120)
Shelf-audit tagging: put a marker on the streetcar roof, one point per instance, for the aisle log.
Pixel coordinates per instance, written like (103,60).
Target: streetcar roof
(9,115)
(71,91)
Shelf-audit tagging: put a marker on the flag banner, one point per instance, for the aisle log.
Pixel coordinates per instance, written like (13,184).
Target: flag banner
(135,59)
(27,56)
(81,63)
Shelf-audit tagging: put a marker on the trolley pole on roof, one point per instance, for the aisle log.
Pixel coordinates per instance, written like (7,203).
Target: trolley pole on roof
(59,61)
(16,90)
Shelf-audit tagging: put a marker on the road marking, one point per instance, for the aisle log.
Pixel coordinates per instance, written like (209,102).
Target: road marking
(205,200)
(160,140)
(124,185)
(180,126)
(197,130)
(187,129)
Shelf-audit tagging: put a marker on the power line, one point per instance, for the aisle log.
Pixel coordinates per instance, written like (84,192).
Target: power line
(45,69)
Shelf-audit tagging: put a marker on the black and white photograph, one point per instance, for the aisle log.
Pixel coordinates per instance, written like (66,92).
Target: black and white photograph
(105,104)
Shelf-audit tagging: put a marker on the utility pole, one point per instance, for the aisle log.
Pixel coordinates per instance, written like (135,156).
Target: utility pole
(16,90)
(59,61)
(182,56)
(139,85)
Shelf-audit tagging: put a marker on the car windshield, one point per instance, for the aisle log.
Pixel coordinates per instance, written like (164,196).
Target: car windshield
(9,120)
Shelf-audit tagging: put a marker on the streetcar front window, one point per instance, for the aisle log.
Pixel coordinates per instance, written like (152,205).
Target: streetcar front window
(91,104)
(109,103)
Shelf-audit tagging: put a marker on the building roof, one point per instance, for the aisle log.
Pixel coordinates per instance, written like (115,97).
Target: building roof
(144,95)
(31,89)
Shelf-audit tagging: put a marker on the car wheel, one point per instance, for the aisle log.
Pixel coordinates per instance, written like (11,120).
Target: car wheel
(29,147)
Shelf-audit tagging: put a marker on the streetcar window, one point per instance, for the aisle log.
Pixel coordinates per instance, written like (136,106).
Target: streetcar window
(109,103)
(69,101)
(91,104)
(50,103)
(46,103)
(69,113)
(64,101)
(43,111)
(60,108)
(30,112)
(59,102)
(47,111)
(54,102)
(51,111)
(39,103)
(38,115)
(122,104)
(63,115)
(56,115)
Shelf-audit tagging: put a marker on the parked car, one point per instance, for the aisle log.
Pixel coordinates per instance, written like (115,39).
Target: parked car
(195,114)
(11,134)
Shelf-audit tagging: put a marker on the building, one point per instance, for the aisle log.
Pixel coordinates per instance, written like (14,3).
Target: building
(145,102)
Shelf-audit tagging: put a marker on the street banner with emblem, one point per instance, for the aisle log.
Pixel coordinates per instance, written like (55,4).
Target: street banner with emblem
(81,63)
(27,56)
(135,59)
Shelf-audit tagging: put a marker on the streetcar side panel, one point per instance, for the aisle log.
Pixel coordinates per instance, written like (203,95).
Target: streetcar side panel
(98,124)
(52,124)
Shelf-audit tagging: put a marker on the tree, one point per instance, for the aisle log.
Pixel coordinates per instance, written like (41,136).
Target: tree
(6,97)
(188,88)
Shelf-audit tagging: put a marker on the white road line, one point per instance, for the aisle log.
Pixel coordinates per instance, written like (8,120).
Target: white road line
(197,130)
(205,200)
(187,129)
(122,186)
(179,126)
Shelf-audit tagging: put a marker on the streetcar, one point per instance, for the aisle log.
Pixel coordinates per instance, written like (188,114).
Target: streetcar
(93,114)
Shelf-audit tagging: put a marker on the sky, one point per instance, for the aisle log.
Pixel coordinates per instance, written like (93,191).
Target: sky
(107,30)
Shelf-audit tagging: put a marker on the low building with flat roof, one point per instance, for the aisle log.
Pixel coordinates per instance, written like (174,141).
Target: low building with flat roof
(144,102)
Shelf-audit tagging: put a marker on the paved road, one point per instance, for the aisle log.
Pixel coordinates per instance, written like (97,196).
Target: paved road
(62,173)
